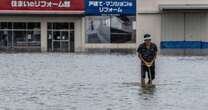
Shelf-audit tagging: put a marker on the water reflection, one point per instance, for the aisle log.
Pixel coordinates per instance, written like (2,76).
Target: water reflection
(149,89)
(144,89)
(148,97)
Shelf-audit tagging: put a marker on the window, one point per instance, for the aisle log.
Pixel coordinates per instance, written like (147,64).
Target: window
(20,34)
(110,29)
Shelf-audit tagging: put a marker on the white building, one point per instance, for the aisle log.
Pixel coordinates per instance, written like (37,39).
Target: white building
(177,26)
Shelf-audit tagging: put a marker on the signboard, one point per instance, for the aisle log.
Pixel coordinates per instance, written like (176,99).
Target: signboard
(110,7)
(41,5)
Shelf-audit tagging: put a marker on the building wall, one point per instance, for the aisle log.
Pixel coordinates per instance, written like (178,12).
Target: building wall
(79,32)
(149,23)
(152,6)
(151,20)
(180,26)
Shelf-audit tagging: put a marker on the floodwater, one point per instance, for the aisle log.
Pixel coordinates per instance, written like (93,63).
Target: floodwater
(61,81)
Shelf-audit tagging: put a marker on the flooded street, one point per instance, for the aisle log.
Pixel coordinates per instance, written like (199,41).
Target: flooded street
(61,81)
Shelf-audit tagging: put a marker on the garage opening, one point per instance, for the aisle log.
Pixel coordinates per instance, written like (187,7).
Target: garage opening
(184,29)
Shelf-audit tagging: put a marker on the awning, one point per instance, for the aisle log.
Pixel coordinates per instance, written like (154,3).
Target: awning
(39,12)
(183,7)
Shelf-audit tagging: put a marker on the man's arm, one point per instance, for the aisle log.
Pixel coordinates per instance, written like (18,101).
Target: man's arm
(140,57)
(145,62)
(153,60)
(139,51)
(155,54)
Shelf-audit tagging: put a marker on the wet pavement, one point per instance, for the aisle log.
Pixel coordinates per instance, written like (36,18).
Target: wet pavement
(61,81)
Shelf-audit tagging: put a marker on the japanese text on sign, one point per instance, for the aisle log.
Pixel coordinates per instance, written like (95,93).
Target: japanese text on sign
(110,6)
(39,3)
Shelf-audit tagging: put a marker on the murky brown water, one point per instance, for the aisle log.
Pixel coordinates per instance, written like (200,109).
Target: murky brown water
(100,82)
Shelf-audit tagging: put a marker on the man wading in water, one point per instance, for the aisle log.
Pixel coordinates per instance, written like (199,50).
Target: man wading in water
(147,53)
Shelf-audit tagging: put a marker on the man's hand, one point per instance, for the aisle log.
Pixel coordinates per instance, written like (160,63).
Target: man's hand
(148,64)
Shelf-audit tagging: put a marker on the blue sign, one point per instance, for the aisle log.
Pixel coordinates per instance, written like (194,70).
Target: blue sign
(110,7)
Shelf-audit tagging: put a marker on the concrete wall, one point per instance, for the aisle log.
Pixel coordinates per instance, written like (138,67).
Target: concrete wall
(149,20)
(149,23)
(79,35)
(152,6)
(44,35)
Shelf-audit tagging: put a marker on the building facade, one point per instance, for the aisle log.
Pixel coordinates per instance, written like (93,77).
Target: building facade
(67,25)
(34,25)
(177,26)
(110,24)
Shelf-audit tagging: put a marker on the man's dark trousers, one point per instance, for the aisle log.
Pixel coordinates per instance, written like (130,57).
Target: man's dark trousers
(145,69)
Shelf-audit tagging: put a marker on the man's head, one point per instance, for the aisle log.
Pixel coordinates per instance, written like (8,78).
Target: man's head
(147,39)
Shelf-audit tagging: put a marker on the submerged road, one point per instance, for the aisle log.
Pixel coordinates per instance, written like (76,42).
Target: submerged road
(61,81)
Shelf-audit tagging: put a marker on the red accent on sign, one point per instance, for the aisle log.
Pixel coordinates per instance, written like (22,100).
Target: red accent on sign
(42,5)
